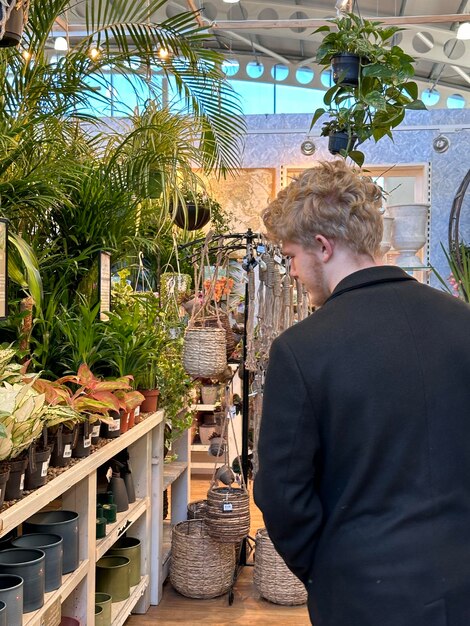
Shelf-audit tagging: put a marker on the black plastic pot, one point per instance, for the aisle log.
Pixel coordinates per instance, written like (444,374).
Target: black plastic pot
(15,485)
(30,565)
(64,524)
(83,446)
(340,141)
(13,28)
(346,69)
(111,431)
(52,545)
(95,433)
(4,475)
(11,593)
(193,218)
(36,472)
(62,450)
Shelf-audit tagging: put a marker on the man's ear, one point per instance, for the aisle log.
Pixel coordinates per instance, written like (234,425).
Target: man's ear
(325,248)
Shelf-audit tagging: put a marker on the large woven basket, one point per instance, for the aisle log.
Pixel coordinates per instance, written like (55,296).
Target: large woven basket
(200,567)
(228,514)
(213,321)
(273,579)
(204,352)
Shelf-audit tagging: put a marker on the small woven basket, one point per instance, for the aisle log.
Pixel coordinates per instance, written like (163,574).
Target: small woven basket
(228,514)
(197,509)
(204,352)
(273,579)
(212,321)
(200,567)
(175,285)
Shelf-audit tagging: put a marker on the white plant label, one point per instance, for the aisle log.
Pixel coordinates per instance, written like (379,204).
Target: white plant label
(96,431)
(137,411)
(116,425)
(87,441)
(45,465)
(22,482)
(67,451)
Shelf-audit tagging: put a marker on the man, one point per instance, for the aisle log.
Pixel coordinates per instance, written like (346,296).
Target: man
(364,449)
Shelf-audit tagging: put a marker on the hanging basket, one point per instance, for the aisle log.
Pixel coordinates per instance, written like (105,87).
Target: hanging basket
(200,567)
(204,352)
(212,321)
(197,509)
(173,285)
(273,579)
(228,514)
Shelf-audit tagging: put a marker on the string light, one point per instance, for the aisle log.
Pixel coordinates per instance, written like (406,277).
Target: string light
(464,31)
(94,53)
(60,44)
(163,53)
(26,55)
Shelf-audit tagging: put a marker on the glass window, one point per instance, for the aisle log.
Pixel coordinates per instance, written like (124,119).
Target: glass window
(230,67)
(297,99)
(456,101)
(304,75)
(280,72)
(254,69)
(430,97)
(255,97)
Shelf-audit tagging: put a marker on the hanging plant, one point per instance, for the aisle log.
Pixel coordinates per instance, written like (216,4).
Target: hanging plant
(374,103)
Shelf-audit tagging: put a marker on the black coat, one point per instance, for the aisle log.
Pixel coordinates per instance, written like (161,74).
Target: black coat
(364,454)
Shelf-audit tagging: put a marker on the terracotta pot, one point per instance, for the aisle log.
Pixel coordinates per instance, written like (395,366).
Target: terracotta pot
(124,421)
(131,419)
(150,404)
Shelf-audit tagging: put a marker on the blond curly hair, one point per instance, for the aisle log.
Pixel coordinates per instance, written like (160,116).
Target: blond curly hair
(329,199)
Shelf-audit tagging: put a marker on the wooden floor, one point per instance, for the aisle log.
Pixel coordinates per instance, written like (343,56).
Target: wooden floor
(247,608)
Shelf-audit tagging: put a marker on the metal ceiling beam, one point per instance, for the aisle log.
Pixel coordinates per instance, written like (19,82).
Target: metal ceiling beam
(314,23)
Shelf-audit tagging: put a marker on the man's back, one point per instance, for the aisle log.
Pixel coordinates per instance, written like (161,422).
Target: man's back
(383,369)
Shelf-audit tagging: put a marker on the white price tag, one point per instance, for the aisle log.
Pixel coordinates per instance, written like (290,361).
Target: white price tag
(227,507)
(87,441)
(67,451)
(96,431)
(116,425)
(22,482)
(137,411)
(45,465)
(277,258)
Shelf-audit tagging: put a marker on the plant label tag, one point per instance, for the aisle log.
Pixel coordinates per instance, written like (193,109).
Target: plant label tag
(87,441)
(260,248)
(22,482)
(67,451)
(277,258)
(116,425)
(96,431)
(137,411)
(45,465)
(227,507)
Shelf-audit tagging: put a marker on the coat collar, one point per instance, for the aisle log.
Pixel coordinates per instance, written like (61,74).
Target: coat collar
(369,276)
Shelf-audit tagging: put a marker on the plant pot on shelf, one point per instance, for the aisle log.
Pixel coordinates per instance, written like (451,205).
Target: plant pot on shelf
(53,548)
(340,140)
(62,523)
(13,26)
(131,419)
(409,233)
(113,430)
(124,418)
(150,404)
(4,476)
(15,484)
(95,433)
(83,447)
(36,472)
(112,577)
(29,564)
(209,393)
(11,593)
(62,445)
(205,432)
(104,600)
(346,68)
(129,547)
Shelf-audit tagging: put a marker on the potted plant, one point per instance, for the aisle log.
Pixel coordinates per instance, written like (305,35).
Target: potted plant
(193,210)
(374,103)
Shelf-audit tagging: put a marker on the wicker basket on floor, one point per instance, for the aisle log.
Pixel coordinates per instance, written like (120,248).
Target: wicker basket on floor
(197,509)
(200,567)
(228,514)
(273,579)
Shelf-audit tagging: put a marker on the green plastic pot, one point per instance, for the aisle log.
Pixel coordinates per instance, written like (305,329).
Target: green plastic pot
(104,601)
(113,577)
(130,548)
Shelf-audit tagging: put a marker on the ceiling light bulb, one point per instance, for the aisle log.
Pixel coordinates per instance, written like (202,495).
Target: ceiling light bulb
(464,31)
(94,53)
(26,55)
(231,1)
(60,44)
(163,53)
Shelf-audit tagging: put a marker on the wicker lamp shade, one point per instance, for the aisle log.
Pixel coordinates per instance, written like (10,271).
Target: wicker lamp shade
(273,579)
(228,514)
(204,352)
(200,567)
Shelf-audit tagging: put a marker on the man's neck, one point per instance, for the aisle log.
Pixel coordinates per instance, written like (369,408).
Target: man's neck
(345,263)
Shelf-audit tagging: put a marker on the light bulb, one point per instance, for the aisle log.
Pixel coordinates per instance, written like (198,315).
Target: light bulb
(26,55)
(464,31)
(94,53)
(231,1)
(60,43)
(163,53)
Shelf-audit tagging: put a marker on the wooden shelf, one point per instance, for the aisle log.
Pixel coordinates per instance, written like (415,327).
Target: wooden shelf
(122,610)
(69,582)
(13,516)
(123,522)
(172,471)
(204,407)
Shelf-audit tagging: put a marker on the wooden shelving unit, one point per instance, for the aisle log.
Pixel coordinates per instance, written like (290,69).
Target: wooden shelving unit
(76,487)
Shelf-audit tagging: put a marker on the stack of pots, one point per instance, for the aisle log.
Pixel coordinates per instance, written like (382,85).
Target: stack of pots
(119,569)
(52,546)
(28,564)
(11,594)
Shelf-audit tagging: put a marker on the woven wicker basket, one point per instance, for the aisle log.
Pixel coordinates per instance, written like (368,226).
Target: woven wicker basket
(175,285)
(273,579)
(197,509)
(213,322)
(200,567)
(228,514)
(204,354)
